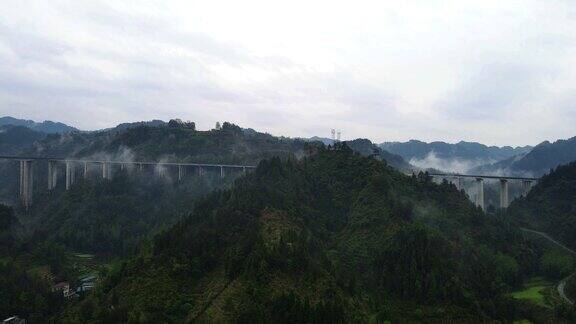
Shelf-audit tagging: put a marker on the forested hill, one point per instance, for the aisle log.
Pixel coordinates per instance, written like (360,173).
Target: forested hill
(229,145)
(335,237)
(366,148)
(551,205)
(112,217)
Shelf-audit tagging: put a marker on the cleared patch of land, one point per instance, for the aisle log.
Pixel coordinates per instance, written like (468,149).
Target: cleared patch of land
(534,291)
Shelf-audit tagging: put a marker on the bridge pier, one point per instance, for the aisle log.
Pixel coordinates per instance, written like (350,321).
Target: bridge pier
(85,172)
(480,195)
(69,174)
(26,174)
(106,170)
(452,181)
(26,182)
(526,186)
(52,175)
(504,200)
(160,171)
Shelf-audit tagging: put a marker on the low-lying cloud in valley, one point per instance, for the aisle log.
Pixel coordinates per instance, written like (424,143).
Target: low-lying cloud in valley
(453,165)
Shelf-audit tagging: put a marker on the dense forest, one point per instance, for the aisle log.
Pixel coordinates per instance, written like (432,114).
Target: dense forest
(112,217)
(335,237)
(20,291)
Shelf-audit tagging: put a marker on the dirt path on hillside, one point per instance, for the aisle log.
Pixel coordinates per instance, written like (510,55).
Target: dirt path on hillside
(562,284)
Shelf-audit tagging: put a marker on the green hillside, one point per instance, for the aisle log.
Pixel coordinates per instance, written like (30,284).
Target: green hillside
(333,238)
(551,205)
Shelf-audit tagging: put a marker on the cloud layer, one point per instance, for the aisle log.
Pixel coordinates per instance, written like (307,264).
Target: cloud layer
(496,72)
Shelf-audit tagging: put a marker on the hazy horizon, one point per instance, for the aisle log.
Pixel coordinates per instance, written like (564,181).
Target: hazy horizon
(325,136)
(498,73)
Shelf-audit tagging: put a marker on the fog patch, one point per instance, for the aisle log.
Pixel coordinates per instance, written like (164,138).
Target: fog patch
(506,172)
(453,165)
(123,154)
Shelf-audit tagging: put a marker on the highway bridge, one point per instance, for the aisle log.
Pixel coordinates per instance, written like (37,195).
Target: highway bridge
(504,180)
(104,168)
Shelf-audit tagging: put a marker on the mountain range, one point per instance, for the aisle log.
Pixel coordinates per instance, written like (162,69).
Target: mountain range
(460,157)
(48,127)
(539,161)
(415,149)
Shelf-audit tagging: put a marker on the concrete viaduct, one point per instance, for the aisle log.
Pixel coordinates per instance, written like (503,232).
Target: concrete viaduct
(504,180)
(105,170)
(27,174)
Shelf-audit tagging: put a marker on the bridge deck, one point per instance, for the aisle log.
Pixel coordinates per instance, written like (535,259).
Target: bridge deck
(206,165)
(455,175)
(210,165)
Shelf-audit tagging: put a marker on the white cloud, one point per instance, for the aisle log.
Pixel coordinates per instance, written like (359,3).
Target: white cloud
(491,71)
(457,165)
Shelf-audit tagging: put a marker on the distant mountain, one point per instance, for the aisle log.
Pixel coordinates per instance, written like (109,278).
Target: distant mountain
(458,157)
(538,161)
(48,127)
(463,150)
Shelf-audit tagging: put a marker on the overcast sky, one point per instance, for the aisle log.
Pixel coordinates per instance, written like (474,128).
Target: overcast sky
(497,72)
